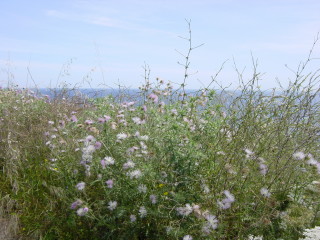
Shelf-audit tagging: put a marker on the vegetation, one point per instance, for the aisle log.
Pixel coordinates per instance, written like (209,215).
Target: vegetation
(211,164)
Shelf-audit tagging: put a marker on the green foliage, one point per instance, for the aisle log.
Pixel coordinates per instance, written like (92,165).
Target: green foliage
(212,164)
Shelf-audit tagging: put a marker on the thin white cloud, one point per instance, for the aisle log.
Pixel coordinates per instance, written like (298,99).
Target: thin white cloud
(85,18)
(100,20)
(57,14)
(104,21)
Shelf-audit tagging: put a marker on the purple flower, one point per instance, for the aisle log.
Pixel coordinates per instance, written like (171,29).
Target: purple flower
(74,118)
(153,97)
(212,221)
(76,204)
(133,218)
(109,183)
(263,169)
(134,174)
(88,122)
(107,118)
(90,138)
(142,212)
(101,120)
(226,202)
(62,123)
(185,211)
(121,136)
(128,164)
(153,199)
(103,163)
(174,111)
(144,108)
(82,211)
(97,145)
(81,185)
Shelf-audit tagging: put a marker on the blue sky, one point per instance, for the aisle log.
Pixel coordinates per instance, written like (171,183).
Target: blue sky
(106,43)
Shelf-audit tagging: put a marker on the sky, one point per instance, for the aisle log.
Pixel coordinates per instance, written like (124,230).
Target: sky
(107,43)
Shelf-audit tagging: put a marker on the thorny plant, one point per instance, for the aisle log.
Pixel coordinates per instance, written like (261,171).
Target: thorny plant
(215,164)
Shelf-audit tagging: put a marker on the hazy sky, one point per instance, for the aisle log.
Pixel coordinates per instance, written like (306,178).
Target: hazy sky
(108,42)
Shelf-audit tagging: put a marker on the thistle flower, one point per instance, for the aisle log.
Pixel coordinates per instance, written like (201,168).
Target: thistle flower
(107,118)
(86,158)
(97,145)
(153,97)
(298,155)
(76,204)
(80,186)
(128,164)
(62,123)
(142,212)
(132,150)
(82,211)
(185,211)
(109,183)
(212,221)
(112,205)
(101,120)
(121,136)
(187,237)
(263,169)
(265,192)
(138,120)
(144,108)
(312,161)
(88,122)
(153,199)
(229,195)
(135,174)
(137,134)
(133,218)
(226,202)
(107,161)
(142,188)
(90,138)
(88,150)
(174,111)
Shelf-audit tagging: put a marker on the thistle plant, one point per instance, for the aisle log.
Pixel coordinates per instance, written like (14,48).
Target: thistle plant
(215,164)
